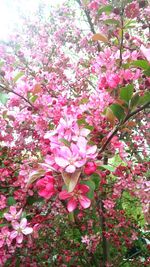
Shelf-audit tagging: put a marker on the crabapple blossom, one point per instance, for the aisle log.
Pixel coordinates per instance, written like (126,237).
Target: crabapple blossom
(13,214)
(77,195)
(45,187)
(20,229)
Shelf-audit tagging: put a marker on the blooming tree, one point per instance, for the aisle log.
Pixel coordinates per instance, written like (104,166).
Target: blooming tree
(74,140)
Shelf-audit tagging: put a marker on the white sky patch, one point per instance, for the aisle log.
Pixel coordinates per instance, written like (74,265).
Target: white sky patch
(11,11)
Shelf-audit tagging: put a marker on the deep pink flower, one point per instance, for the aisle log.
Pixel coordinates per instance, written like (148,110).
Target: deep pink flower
(78,194)
(90,168)
(132,10)
(13,214)
(45,187)
(20,230)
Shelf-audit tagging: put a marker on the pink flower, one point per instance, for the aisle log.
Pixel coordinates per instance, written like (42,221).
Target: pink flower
(146,52)
(132,10)
(46,187)
(69,158)
(5,237)
(77,195)
(20,230)
(90,168)
(13,215)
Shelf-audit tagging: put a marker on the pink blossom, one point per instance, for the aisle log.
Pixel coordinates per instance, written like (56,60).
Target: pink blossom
(45,187)
(146,52)
(69,158)
(90,168)
(20,230)
(2,202)
(5,237)
(77,195)
(13,215)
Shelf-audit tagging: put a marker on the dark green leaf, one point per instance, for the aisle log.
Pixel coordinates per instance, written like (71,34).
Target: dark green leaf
(147,72)
(126,93)
(118,111)
(11,201)
(134,100)
(145,98)
(96,179)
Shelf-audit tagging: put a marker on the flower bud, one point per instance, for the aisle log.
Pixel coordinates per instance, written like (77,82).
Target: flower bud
(90,168)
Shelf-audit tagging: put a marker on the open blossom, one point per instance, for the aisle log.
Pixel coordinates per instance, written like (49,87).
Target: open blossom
(20,229)
(5,237)
(75,156)
(146,52)
(77,195)
(13,214)
(45,186)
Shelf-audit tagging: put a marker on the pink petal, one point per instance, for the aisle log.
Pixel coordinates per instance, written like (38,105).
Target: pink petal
(12,210)
(15,225)
(70,169)
(81,143)
(65,152)
(83,188)
(19,238)
(13,234)
(72,204)
(84,132)
(84,202)
(146,52)
(61,162)
(80,163)
(8,217)
(64,195)
(27,231)
(92,150)
(23,223)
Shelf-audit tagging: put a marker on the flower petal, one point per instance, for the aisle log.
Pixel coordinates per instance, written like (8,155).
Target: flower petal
(84,202)
(15,225)
(13,234)
(19,238)
(72,204)
(70,169)
(64,195)
(61,162)
(23,223)
(27,231)
(83,188)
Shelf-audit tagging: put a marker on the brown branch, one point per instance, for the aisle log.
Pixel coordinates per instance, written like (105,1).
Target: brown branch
(87,13)
(22,97)
(120,124)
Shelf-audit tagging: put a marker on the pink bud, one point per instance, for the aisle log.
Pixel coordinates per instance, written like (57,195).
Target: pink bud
(90,168)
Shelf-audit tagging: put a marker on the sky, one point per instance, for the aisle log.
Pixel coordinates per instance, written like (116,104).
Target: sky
(10,11)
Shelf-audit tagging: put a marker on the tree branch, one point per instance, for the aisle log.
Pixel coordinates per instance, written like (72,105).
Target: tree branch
(120,124)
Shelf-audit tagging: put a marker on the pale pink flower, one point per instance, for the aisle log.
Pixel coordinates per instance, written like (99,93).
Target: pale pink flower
(13,214)
(20,230)
(146,52)
(69,158)
(77,195)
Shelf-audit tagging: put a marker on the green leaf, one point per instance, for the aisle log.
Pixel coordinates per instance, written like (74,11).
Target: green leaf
(96,179)
(145,98)
(91,185)
(134,100)
(64,141)
(33,98)
(126,93)
(3,98)
(109,168)
(106,9)
(147,72)
(116,161)
(18,76)
(118,111)
(11,201)
(143,64)
(111,21)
